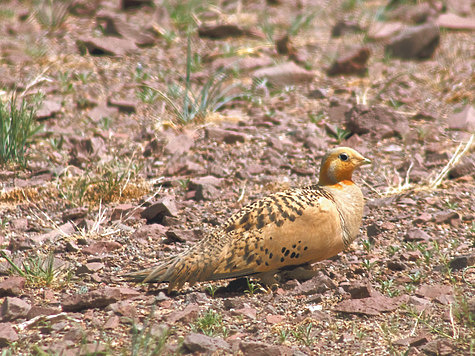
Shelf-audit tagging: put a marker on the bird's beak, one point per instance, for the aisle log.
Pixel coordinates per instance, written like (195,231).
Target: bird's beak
(364,161)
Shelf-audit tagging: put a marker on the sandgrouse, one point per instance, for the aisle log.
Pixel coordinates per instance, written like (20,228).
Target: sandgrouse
(295,227)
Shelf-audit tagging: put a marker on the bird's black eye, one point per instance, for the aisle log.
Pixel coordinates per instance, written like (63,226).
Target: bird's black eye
(343,156)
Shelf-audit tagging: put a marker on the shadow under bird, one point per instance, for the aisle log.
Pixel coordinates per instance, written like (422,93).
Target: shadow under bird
(296,227)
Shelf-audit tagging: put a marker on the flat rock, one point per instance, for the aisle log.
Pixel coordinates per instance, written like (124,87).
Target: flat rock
(37,310)
(461,262)
(381,31)
(178,144)
(354,62)
(417,235)
(378,121)
(285,74)
(99,298)
(117,26)
(466,167)
(124,105)
(253,348)
(107,46)
(317,285)
(165,206)
(202,344)
(89,268)
(74,214)
(179,235)
(14,308)
(417,42)
(441,347)
(151,231)
(343,27)
(456,22)
(221,31)
(205,188)
(187,315)
(433,291)
(12,286)
(48,109)
(413,341)
(224,135)
(101,247)
(374,305)
(463,120)
(7,334)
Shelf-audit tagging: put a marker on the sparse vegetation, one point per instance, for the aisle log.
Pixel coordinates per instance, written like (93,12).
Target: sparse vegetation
(37,270)
(211,324)
(17,127)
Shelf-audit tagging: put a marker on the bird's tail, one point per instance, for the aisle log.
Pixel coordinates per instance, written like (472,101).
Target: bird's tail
(190,266)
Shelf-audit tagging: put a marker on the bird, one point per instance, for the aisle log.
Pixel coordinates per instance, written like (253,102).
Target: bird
(292,228)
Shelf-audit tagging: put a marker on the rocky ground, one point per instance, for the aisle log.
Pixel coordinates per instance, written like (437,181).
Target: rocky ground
(125,170)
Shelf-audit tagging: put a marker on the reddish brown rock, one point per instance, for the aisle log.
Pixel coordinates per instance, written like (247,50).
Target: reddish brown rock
(417,235)
(433,291)
(95,299)
(202,344)
(151,231)
(369,306)
(418,42)
(285,74)
(251,313)
(112,323)
(252,348)
(275,319)
(205,188)
(223,135)
(455,22)
(227,30)
(354,62)
(7,334)
(413,341)
(37,310)
(378,121)
(187,315)
(12,286)
(101,247)
(48,109)
(14,308)
(463,120)
(165,206)
(440,347)
(107,46)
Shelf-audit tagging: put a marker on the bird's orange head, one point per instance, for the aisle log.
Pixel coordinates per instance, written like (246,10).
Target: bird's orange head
(338,165)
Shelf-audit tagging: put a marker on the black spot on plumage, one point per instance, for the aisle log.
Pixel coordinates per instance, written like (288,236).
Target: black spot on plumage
(283,249)
(292,255)
(250,258)
(294,246)
(286,253)
(292,217)
(244,219)
(247,226)
(267,264)
(297,255)
(270,256)
(282,259)
(305,248)
(261,221)
(279,223)
(259,262)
